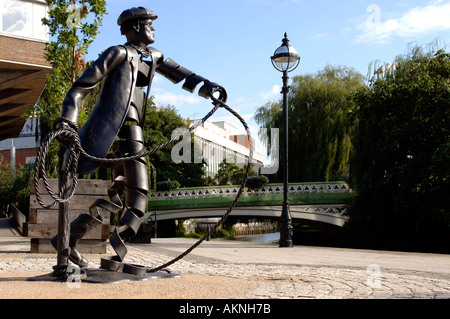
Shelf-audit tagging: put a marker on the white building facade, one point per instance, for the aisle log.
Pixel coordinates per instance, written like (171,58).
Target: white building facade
(222,141)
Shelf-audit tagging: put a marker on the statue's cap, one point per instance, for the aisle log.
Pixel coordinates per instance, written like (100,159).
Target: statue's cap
(136,13)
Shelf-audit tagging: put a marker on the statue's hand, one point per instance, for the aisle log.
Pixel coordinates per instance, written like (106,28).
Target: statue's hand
(222,93)
(61,122)
(212,89)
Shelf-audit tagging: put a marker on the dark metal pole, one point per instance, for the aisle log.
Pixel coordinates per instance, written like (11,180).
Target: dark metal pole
(286,227)
(63,220)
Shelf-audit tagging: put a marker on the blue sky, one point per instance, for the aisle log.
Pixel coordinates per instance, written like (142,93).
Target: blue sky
(230,42)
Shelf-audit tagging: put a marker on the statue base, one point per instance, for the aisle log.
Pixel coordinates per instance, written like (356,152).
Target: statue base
(102,276)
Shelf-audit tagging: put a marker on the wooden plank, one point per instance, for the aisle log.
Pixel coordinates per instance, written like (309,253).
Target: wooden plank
(45,216)
(50,230)
(76,202)
(84,186)
(85,246)
(32,216)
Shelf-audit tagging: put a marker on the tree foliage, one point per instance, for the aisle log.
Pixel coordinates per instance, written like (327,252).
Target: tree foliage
(167,185)
(73,26)
(257,182)
(320,123)
(400,163)
(230,173)
(14,185)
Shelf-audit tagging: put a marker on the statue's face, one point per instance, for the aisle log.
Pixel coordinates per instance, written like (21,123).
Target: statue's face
(147,32)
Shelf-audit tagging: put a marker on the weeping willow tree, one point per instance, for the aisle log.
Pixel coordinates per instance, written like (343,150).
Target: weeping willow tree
(320,123)
(400,163)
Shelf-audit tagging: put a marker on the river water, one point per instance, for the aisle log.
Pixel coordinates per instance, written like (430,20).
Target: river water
(271,238)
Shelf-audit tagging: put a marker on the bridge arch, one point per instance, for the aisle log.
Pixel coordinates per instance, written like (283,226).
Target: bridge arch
(328,214)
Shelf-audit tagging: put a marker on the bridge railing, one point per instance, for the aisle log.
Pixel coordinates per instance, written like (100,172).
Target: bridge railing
(269,189)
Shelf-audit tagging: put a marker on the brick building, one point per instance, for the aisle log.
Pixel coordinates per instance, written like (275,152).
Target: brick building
(22,149)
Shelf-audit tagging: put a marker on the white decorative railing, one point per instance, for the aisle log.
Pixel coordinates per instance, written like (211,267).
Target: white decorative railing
(274,189)
(334,210)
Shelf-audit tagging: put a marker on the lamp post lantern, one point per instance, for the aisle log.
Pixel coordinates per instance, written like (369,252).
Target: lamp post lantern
(285,59)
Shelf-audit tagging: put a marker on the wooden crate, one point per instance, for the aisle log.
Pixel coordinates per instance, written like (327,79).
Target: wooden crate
(43,223)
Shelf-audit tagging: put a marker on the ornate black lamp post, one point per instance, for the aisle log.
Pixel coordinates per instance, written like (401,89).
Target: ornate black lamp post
(285,59)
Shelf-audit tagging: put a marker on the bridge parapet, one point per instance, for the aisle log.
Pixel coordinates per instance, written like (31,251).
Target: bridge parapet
(270,189)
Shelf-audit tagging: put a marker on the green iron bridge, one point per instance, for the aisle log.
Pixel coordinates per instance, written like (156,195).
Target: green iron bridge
(324,202)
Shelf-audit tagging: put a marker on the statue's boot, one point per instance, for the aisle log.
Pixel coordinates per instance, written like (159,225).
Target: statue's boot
(78,228)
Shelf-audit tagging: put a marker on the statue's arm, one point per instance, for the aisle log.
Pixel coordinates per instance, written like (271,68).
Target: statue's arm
(177,73)
(87,82)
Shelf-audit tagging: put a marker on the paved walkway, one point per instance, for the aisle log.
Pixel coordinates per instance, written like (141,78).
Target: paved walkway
(255,270)
(310,272)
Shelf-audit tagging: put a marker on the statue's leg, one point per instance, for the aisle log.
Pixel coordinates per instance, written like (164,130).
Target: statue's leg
(79,228)
(84,224)
(136,190)
(135,177)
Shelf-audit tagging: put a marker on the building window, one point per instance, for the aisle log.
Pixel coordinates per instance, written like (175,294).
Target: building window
(23,18)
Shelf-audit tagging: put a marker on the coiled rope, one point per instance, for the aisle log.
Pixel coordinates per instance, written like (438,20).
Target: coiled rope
(69,138)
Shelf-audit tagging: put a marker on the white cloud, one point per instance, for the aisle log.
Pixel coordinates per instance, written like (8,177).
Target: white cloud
(321,36)
(163,97)
(274,93)
(418,21)
(158,79)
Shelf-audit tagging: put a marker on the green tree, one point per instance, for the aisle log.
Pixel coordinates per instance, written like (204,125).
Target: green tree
(401,156)
(238,176)
(14,186)
(226,173)
(230,173)
(73,25)
(320,125)
(159,125)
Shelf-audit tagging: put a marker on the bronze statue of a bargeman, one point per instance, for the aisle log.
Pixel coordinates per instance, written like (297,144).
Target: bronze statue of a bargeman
(120,112)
